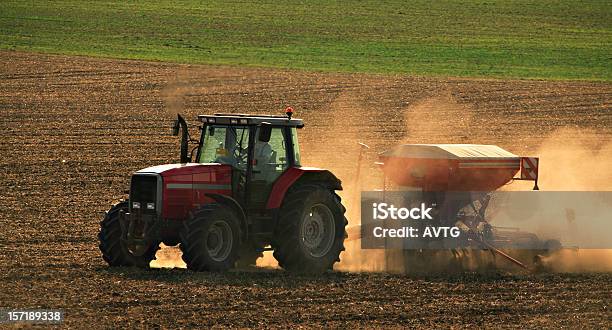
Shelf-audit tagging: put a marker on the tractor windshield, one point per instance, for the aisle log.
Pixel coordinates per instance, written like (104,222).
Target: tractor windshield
(225,145)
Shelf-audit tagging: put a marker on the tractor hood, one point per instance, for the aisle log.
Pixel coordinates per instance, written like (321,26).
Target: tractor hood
(183,187)
(180,169)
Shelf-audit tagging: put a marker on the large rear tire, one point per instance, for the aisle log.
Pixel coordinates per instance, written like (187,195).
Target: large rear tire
(210,239)
(114,250)
(310,233)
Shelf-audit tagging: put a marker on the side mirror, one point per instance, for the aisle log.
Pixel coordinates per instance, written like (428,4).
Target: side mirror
(265,130)
(175,128)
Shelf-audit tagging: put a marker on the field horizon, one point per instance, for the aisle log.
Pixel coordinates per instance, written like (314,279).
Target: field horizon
(543,40)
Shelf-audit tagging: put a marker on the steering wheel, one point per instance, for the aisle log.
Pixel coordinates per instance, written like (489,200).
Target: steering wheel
(241,155)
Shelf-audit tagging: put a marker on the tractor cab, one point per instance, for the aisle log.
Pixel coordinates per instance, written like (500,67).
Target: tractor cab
(258,148)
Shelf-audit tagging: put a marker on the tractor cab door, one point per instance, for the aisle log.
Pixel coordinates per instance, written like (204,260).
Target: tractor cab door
(269,160)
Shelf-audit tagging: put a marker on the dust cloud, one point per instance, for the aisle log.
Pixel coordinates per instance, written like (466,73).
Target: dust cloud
(575,160)
(175,91)
(168,257)
(579,261)
(438,119)
(578,160)
(267,261)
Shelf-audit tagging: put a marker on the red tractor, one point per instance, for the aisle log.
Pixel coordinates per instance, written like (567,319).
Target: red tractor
(245,192)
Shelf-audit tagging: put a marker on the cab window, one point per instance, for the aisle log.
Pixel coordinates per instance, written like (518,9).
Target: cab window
(296,146)
(225,145)
(270,158)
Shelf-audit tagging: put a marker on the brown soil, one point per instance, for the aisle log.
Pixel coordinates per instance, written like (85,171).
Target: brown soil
(74,128)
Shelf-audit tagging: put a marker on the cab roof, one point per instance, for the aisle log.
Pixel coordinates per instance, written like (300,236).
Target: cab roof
(245,119)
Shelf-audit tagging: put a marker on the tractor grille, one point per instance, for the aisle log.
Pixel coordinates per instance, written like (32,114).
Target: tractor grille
(143,190)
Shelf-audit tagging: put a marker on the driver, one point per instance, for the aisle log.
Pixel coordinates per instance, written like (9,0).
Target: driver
(232,152)
(264,159)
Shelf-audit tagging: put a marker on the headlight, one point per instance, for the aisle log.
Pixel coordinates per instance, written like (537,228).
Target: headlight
(135,205)
(150,206)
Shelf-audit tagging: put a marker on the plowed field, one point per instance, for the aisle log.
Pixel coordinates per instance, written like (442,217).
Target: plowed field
(74,128)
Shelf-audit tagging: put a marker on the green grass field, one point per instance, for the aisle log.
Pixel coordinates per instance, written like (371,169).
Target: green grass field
(515,39)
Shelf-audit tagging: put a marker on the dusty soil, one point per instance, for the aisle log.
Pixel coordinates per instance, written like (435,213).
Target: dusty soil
(74,128)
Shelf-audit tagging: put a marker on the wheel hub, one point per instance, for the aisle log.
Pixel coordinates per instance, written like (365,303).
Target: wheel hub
(317,231)
(219,241)
(314,230)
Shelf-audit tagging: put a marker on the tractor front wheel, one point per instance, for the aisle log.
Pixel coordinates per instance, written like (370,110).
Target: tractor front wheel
(311,229)
(210,239)
(114,250)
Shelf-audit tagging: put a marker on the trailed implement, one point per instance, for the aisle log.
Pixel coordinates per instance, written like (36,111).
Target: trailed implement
(458,179)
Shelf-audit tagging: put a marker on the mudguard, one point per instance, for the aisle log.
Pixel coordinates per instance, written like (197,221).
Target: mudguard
(234,205)
(302,174)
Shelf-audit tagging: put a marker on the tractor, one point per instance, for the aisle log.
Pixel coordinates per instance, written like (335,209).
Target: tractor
(242,190)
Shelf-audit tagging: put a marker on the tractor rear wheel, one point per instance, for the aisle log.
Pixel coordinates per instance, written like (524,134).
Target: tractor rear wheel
(210,239)
(309,236)
(114,250)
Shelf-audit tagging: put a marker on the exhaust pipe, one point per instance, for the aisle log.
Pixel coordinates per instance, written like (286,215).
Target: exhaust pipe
(181,124)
